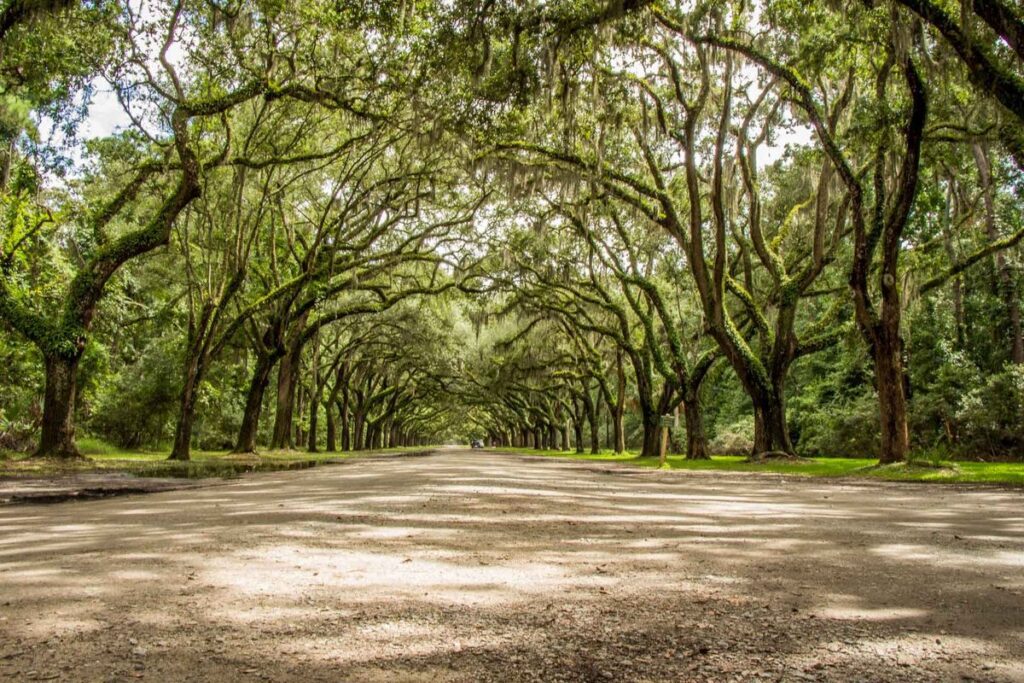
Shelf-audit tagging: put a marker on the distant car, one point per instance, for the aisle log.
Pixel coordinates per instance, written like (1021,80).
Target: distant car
(476,443)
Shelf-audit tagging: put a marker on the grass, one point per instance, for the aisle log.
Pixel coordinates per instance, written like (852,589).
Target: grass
(942,472)
(104,457)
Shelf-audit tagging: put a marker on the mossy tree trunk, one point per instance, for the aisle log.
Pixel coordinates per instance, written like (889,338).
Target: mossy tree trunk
(58,429)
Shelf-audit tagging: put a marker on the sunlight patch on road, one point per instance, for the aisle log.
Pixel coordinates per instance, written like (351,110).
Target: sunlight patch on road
(363,576)
(937,556)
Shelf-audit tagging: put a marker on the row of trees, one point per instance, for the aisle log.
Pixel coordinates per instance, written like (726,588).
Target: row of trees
(686,251)
(283,197)
(312,205)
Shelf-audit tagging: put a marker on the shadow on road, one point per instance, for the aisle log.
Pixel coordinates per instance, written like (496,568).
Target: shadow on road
(472,566)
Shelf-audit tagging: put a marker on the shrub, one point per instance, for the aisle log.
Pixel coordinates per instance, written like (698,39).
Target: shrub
(992,415)
(736,438)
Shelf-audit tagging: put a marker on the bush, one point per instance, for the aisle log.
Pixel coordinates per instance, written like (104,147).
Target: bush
(846,427)
(21,384)
(736,438)
(135,407)
(991,416)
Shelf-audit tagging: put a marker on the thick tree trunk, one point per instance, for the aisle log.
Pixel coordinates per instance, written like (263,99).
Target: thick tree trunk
(358,426)
(58,434)
(182,449)
(892,399)
(770,431)
(652,432)
(372,435)
(882,330)
(287,373)
(595,434)
(332,427)
(696,437)
(246,442)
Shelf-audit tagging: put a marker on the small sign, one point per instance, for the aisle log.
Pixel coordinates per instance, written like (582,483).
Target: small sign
(666,421)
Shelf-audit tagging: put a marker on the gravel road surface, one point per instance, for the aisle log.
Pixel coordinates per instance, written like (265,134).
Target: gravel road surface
(466,566)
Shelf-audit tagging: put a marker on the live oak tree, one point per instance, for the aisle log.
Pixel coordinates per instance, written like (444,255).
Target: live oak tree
(547,222)
(60,332)
(645,179)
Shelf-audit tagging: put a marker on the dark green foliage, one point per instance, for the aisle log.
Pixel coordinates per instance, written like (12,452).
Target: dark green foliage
(477,218)
(135,405)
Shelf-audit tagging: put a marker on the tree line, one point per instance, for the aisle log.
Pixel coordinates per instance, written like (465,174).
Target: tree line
(793,227)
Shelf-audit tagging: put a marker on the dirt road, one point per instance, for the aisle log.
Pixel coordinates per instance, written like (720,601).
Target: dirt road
(472,566)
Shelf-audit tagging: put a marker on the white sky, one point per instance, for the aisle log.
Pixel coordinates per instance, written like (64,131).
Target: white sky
(105,114)
(107,117)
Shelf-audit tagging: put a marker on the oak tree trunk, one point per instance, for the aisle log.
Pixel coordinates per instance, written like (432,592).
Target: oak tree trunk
(346,433)
(246,442)
(696,437)
(182,449)
(652,432)
(892,399)
(284,414)
(332,427)
(58,433)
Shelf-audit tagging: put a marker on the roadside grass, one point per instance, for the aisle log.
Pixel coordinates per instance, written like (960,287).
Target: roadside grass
(1011,474)
(101,456)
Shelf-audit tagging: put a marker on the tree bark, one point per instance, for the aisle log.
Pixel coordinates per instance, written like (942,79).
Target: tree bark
(696,437)
(892,400)
(299,409)
(346,427)
(651,444)
(358,427)
(193,371)
(286,387)
(246,442)
(590,409)
(332,427)
(771,433)
(620,405)
(58,432)
(182,449)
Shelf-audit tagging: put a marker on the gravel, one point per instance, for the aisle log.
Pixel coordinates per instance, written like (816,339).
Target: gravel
(468,566)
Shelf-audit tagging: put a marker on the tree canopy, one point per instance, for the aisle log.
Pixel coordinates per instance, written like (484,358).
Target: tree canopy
(792,227)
